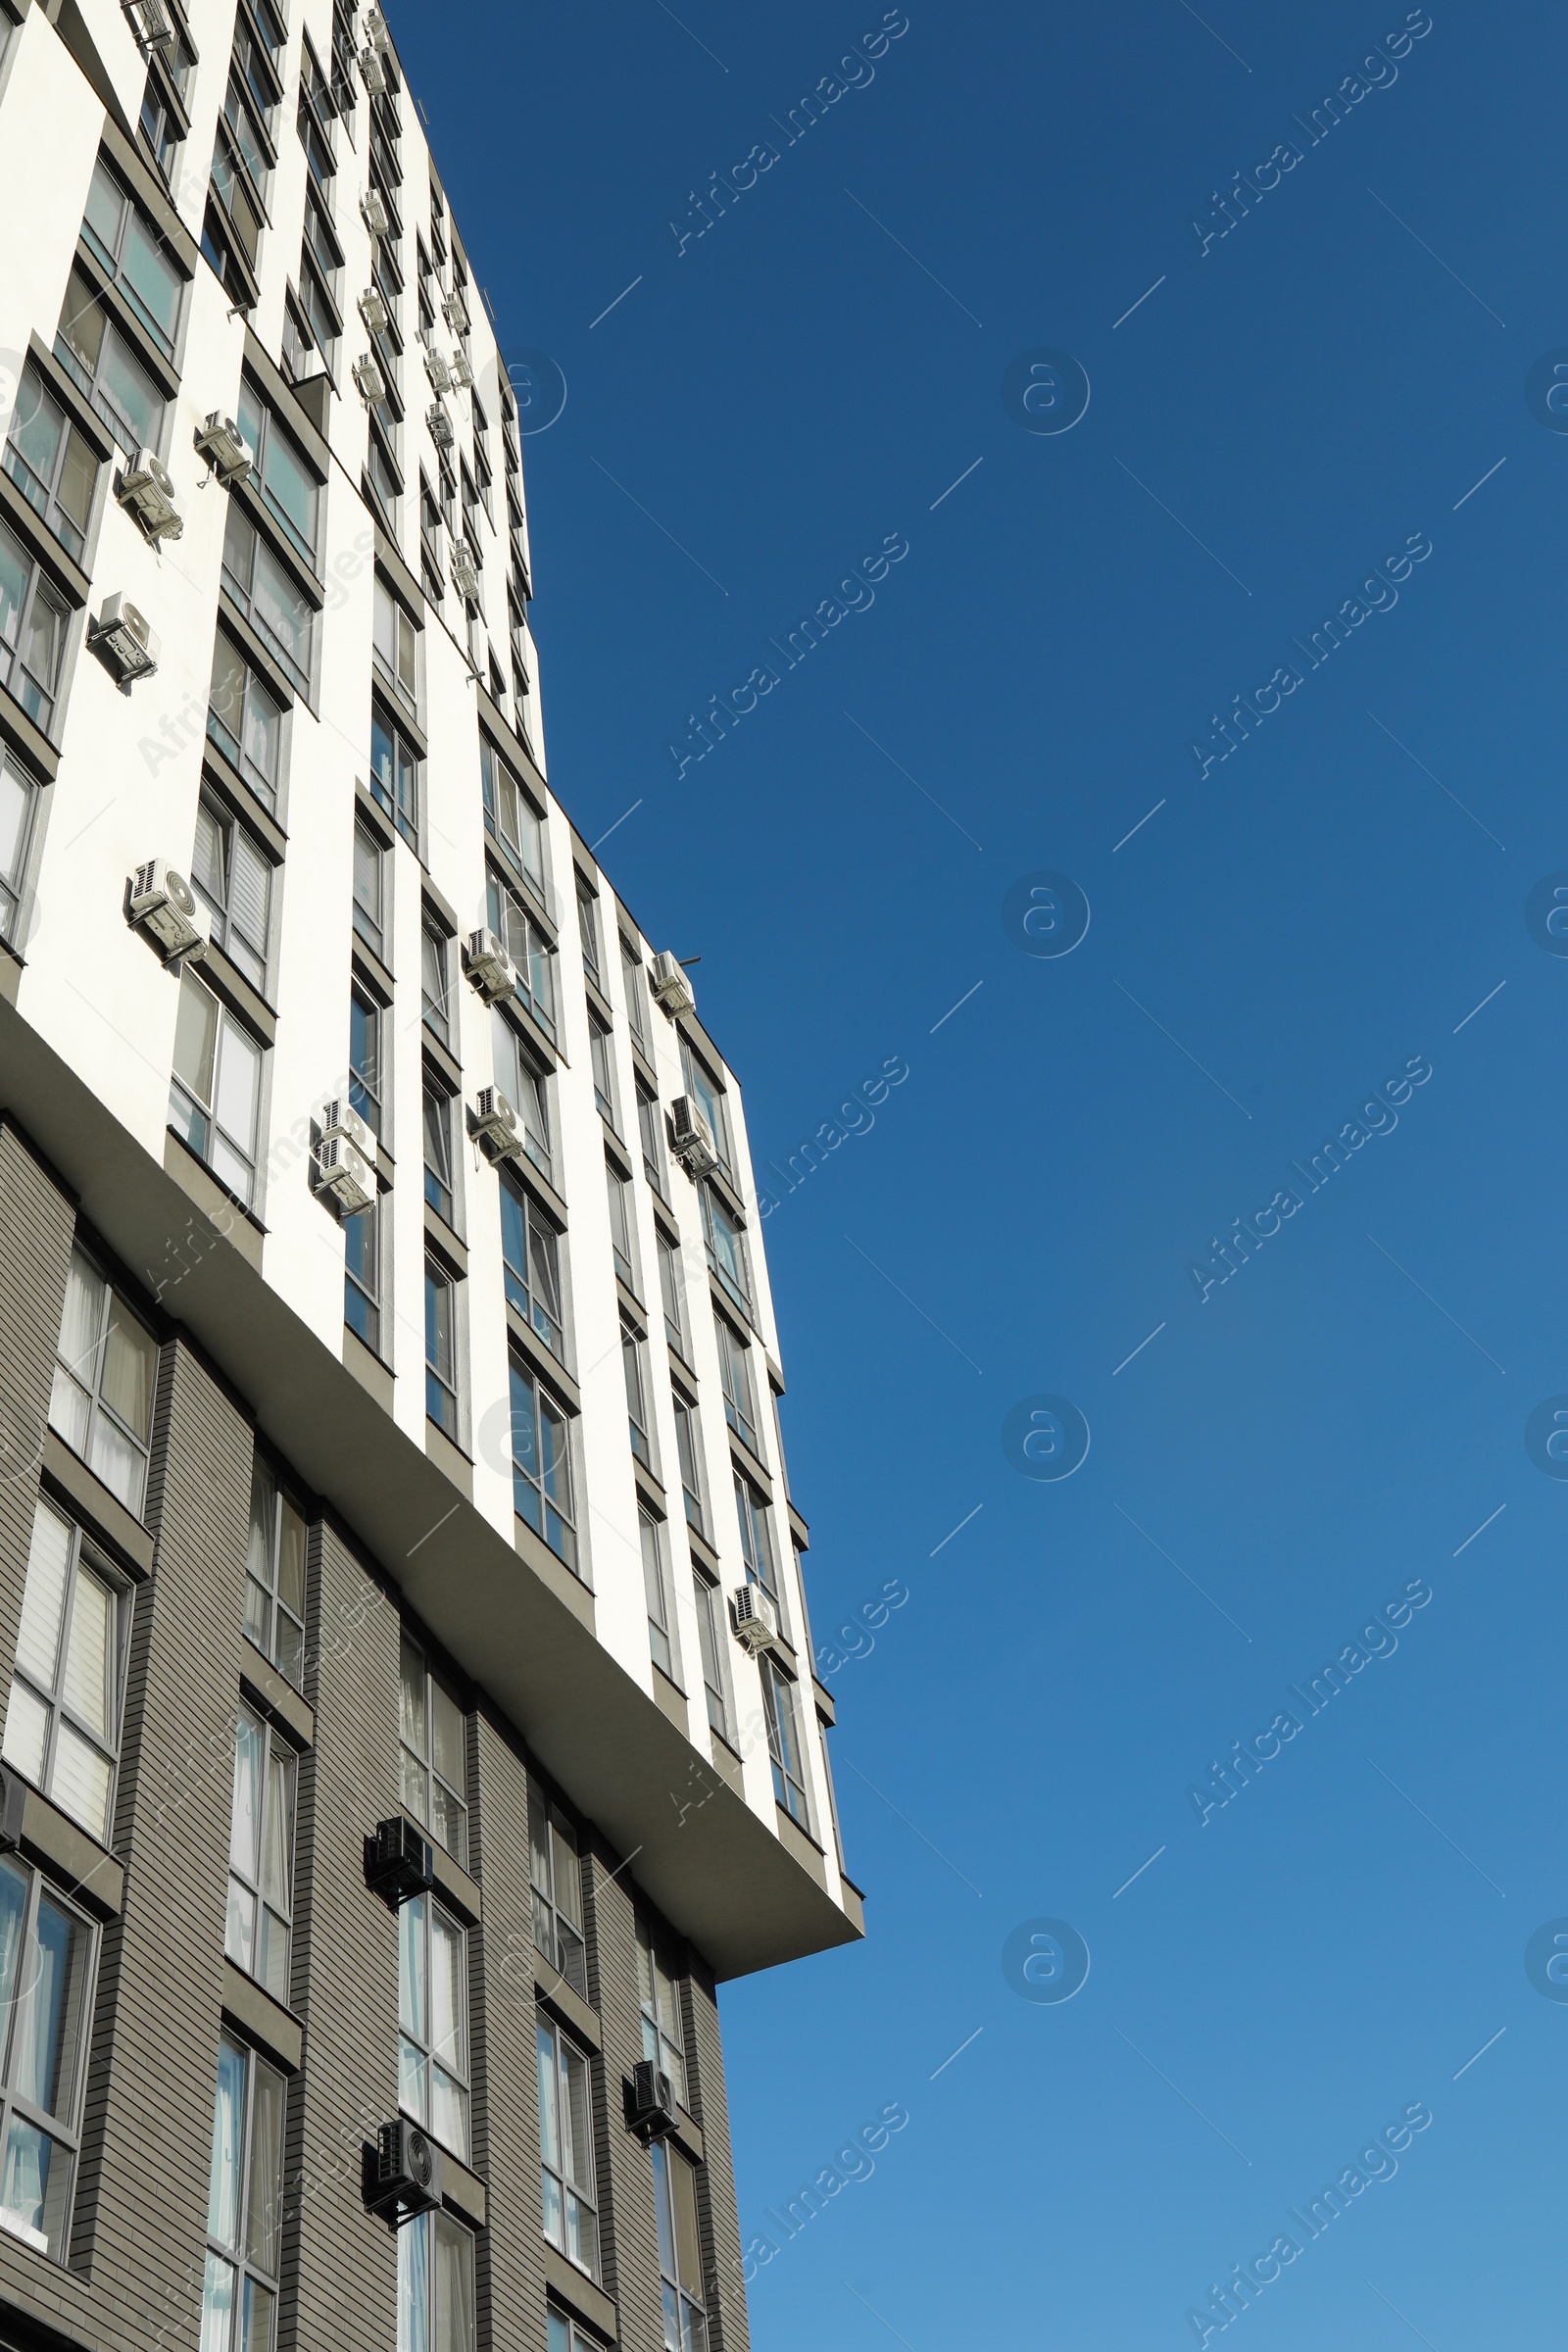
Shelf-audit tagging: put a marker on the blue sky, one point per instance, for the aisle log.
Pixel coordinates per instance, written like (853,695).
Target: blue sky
(1283,414)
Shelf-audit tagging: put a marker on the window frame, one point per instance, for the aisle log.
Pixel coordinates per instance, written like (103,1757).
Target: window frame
(440,1171)
(417,1936)
(419,2273)
(639,1393)
(781,1711)
(266,1910)
(270,434)
(364,1286)
(664,1637)
(14,874)
(739,1392)
(237,2328)
(711,1099)
(546,1482)
(284,1651)
(672,1292)
(75,536)
(588,930)
(650,1131)
(243,595)
(622,1225)
(92,376)
(710,1641)
(527,1088)
(82,1557)
(115,1308)
(367,1091)
(520,1209)
(112,260)
(267,789)
(38,695)
(689,1452)
(684,2301)
(715,1214)
(513,923)
(414,1659)
(602,1061)
(442,1349)
(199,1117)
(224,931)
(64,2130)
(555,2110)
(552,1833)
(432,936)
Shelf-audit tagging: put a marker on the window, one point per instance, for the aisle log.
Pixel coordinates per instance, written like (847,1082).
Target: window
(435,1779)
(370,890)
(634,1366)
(708,1097)
(396,647)
(530,951)
(161,126)
(63,1716)
(436,2285)
(636,995)
(46,1957)
(726,1248)
(620,1225)
(434,983)
(656,1588)
(19,798)
(314,326)
(433,2021)
(396,771)
(687,1445)
(102,1404)
(441,1349)
(244,2204)
(263,590)
(382,469)
(512,822)
(680,2265)
(566,2147)
(245,720)
(236,210)
(784,1743)
(588,927)
(710,1620)
(648,1126)
(555,1876)
(315,116)
(531,1265)
(671,1291)
(33,621)
(261,1856)
(438,1152)
(275,1576)
(664,2038)
(365,1059)
(52,463)
(100,358)
(362,1275)
(541,1465)
(235,882)
(601,1054)
(756,1541)
(735,1377)
(564,2335)
(214,1097)
(131,253)
(524,1086)
(289,490)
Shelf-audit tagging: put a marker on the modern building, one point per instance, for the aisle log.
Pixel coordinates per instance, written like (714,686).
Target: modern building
(408,1716)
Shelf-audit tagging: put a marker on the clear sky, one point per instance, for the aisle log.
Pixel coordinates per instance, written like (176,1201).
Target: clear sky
(1297,408)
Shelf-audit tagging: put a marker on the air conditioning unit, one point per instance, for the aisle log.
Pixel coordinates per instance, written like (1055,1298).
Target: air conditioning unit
(489,967)
(373,310)
(403,2178)
(338,1117)
(146,489)
(375,32)
(149,20)
(221,446)
(464,571)
(462,370)
(494,1123)
(691,1138)
(161,905)
(372,73)
(670,987)
(398,1862)
(440,424)
(652,2114)
(455,310)
(371,383)
(374,214)
(751,1616)
(436,368)
(344,1174)
(123,640)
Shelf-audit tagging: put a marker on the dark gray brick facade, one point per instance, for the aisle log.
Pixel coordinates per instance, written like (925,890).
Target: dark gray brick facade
(134,2277)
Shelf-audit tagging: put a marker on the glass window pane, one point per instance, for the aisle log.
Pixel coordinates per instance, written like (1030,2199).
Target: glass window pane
(414,2285)
(228,2123)
(130,1362)
(279,1822)
(218,2305)
(196,1038)
(32,2190)
(27,1737)
(79,1780)
(264,2204)
(447,1724)
(38,1641)
(454,2286)
(448,2041)
(549,2108)
(291,1560)
(245,1831)
(412,2005)
(81,1325)
(239,1084)
(411,1700)
(150,274)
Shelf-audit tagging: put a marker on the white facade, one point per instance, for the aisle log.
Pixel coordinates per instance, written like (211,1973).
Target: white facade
(128,777)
